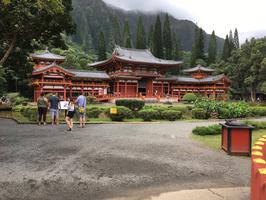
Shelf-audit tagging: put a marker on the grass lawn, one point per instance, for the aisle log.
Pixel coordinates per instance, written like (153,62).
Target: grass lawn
(214,141)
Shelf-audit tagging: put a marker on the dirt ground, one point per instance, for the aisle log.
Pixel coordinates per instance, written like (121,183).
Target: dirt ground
(110,160)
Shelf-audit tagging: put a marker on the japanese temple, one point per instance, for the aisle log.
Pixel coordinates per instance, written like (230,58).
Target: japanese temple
(128,73)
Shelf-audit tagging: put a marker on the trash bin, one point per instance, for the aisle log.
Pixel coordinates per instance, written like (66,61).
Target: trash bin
(236,138)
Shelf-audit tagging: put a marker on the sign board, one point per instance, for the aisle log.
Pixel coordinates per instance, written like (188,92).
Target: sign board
(63,105)
(113,110)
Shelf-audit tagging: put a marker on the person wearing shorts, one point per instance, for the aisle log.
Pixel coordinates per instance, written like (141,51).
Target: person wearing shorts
(70,114)
(54,105)
(81,103)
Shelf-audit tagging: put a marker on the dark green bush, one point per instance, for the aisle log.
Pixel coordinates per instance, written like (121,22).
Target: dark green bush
(122,113)
(257,125)
(171,115)
(132,104)
(93,112)
(199,113)
(207,130)
(30,112)
(189,97)
(257,111)
(149,114)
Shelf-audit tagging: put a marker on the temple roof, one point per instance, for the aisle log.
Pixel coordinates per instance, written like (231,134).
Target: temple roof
(74,73)
(47,56)
(184,79)
(141,56)
(199,68)
(90,74)
(42,69)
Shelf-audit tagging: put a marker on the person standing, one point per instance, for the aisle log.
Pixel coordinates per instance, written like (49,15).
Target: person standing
(42,104)
(70,114)
(54,106)
(81,103)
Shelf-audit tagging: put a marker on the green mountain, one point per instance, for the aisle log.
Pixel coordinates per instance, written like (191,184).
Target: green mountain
(93,16)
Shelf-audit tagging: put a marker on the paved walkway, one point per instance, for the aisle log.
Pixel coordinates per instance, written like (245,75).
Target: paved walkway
(111,161)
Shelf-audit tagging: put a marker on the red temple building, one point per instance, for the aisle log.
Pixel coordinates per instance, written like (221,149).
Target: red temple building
(129,73)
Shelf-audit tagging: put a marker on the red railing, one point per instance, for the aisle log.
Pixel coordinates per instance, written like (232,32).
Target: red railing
(258,170)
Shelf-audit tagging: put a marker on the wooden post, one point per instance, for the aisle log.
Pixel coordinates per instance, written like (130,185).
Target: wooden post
(126,89)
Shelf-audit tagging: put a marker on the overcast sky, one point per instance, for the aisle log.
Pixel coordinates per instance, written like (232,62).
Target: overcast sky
(249,17)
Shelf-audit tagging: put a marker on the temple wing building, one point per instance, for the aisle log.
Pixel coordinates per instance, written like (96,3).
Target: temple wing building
(129,73)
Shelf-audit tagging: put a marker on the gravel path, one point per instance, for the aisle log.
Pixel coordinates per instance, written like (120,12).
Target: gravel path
(110,160)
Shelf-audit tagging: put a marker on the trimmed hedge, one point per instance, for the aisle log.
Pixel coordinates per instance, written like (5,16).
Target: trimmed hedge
(199,113)
(149,114)
(132,104)
(189,97)
(171,115)
(122,113)
(257,125)
(207,130)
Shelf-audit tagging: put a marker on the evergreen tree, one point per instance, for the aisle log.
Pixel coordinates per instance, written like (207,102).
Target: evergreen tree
(212,50)
(101,47)
(226,49)
(150,38)
(141,36)
(127,36)
(236,39)
(157,39)
(198,47)
(176,55)
(116,32)
(231,42)
(167,39)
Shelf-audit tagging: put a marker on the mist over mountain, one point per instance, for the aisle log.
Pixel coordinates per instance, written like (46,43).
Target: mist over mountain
(93,16)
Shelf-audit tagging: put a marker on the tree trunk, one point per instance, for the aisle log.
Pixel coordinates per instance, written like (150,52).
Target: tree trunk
(9,50)
(253,95)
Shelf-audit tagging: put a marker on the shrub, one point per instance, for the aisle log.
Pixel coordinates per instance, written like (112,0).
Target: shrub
(17,108)
(199,113)
(257,111)
(93,112)
(257,125)
(207,130)
(171,115)
(30,112)
(148,114)
(15,99)
(122,113)
(132,104)
(189,97)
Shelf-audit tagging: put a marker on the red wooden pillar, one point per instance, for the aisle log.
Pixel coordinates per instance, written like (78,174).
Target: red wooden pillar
(117,88)
(126,89)
(137,89)
(65,97)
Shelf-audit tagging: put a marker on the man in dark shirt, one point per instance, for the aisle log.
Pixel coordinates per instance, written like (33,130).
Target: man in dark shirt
(54,105)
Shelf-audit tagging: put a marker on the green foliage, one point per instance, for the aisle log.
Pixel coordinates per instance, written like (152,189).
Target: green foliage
(94,112)
(127,35)
(101,47)
(171,115)
(189,97)
(167,39)
(29,112)
(198,46)
(236,39)
(132,104)
(221,109)
(257,111)
(212,50)
(149,114)
(150,37)
(75,55)
(199,113)
(207,130)
(257,124)
(226,49)
(16,99)
(157,45)
(122,113)
(141,36)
